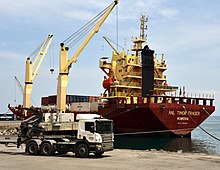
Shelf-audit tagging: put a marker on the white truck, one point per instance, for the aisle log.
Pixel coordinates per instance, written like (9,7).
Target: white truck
(88,133)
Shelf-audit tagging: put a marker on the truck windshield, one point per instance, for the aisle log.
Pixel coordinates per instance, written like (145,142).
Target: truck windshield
(104,127)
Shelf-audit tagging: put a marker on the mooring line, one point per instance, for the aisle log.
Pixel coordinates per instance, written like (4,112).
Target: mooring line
(200,126)
(148,132)
(127,110)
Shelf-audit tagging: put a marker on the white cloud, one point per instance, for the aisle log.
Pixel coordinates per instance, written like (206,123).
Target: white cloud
(8,55)
(76,9)
(74,14)
(185,37)
(38,9)
(168,12)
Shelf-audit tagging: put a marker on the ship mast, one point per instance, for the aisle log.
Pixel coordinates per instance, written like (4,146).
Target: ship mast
(143,27)
(138,41)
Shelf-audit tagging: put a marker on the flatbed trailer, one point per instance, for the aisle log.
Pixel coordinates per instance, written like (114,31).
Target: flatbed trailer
(6,139)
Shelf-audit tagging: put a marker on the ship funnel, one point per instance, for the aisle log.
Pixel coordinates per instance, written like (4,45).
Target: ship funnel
(147,56)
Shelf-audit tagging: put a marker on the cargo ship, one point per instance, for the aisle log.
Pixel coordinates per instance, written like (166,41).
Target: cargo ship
(138,98)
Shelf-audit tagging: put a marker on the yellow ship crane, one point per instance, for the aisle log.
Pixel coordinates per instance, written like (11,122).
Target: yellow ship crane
(32,69)
(19,85)
(66,63)
(107,40)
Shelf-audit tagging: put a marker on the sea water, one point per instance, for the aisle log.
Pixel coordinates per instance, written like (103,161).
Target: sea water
(203,140)
(207,143)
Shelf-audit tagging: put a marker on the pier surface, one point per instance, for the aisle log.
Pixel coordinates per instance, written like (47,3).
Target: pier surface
(15,158)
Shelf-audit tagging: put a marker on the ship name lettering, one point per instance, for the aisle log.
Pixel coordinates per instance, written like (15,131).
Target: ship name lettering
(190,113)
(184,113)
(171,112)
(181,113)
(182,118)
(196,113)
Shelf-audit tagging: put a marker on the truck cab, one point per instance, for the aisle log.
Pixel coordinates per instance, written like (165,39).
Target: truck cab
(97,131)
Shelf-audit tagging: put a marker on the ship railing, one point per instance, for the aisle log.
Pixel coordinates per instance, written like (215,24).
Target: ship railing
(166,87)
(190,95)
(168,97)
(161,65)
(207,100)
(196,99)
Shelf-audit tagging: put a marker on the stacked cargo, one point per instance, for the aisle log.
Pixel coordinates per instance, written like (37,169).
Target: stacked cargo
(52,100)
(75,103)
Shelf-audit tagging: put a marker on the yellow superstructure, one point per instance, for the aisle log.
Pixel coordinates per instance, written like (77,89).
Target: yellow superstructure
(124,72)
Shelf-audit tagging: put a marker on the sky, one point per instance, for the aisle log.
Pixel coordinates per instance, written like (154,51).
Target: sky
(187,32)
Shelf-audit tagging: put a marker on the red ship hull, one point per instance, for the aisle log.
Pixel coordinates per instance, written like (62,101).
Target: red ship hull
(156,118)
(19,113)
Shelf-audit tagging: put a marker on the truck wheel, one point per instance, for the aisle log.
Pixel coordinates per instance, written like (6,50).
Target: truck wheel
(82,151)
(46,149)
(32,148)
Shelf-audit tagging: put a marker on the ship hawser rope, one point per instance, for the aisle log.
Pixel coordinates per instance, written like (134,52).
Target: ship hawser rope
(200,126)
(128,110)
(148,132)
(158,131)
(206,111)
(213,117)
(161,131)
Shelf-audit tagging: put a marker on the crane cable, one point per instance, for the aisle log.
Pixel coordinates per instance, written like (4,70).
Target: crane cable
(33,55)
(80,36)
(200,126)
(85,26)
(73,39)
(51,57)
(115,43)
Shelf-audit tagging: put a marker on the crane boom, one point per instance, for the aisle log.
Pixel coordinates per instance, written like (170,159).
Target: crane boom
(106,39)
(89,37)
(19,85)
(29,74)
(42,53)
(65,63)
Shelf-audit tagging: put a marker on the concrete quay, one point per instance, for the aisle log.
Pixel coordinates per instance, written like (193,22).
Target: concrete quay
(12,158)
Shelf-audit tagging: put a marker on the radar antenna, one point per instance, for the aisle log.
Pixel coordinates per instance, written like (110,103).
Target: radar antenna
(143,26)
